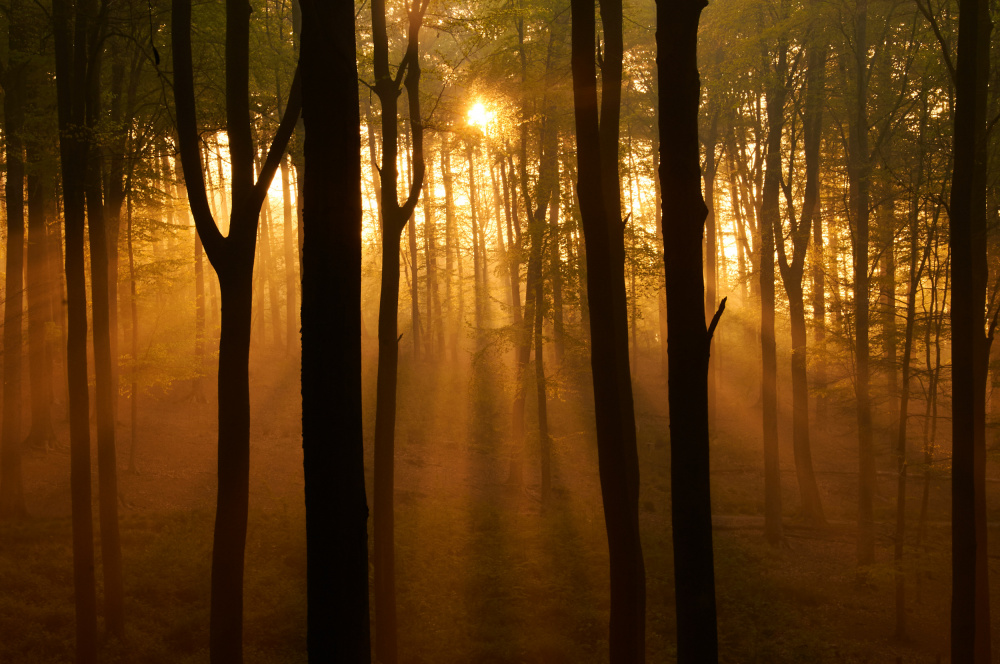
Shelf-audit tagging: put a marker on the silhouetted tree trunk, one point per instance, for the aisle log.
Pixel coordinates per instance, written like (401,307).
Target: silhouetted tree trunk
(14,84)
(770,219)
(394,218)
(232,256)
(859,186)
(792,273)
(105,390)
(970,603)
(684,213)
(70,27)
(598,191)
(336,505)
(711,242)
(916,272)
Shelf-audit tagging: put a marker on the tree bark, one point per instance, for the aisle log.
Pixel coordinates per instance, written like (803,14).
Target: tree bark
(970,603)
(11,480)
(684,213)
(232,256)
(599,195)
(336,505)
(394,219)
(70,26)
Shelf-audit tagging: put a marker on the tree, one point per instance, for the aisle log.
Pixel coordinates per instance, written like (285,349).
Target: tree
(336,506)
(232,257)
(14,79)
(970,603)
(597,164)
(70,29)
(684,213)
(394,218)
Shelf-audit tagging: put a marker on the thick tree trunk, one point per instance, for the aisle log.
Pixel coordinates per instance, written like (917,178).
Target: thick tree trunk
(684,213)
(970,603)
(336,505)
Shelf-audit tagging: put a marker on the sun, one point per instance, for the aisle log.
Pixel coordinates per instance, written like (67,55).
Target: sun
(479,116)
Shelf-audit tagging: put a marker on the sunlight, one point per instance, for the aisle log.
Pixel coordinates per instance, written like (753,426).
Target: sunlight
(480,116)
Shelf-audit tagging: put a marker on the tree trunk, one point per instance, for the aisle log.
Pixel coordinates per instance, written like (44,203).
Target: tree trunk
(597,159)
(70,41)
(291,283)
(684,214)
(970,603)
(859,185)
(770,220)
(106,389)
(11,480)
(336,505)
(394,218)
(39,293)
(232,256)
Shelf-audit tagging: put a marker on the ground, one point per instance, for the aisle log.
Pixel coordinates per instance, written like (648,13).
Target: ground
(485,571)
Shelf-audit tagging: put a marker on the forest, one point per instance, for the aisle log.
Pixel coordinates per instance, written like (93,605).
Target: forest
(523,331)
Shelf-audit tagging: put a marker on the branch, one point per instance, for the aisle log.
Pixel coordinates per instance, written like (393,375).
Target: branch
(715,319)
(276,151)
(187,133)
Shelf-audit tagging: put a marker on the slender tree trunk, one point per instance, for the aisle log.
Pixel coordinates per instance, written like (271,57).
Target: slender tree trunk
(40,299)
(859,173)
(133,373)
(70,41)
(291,282)
(394,218)
(769,221)
(597,161)
(11,480)
(106,389)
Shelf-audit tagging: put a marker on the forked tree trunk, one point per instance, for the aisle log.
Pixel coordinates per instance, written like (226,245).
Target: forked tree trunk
(597,159)
(232,256)
(394,219)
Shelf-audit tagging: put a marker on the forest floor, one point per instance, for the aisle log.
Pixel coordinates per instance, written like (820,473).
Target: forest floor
(486,572)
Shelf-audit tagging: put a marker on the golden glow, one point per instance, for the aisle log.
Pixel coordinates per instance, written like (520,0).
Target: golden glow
(480,116)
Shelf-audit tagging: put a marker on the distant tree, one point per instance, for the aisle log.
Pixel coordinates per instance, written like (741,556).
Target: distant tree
(684,212)
(770,220)
(336,506)
(232,257)
(14,83)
